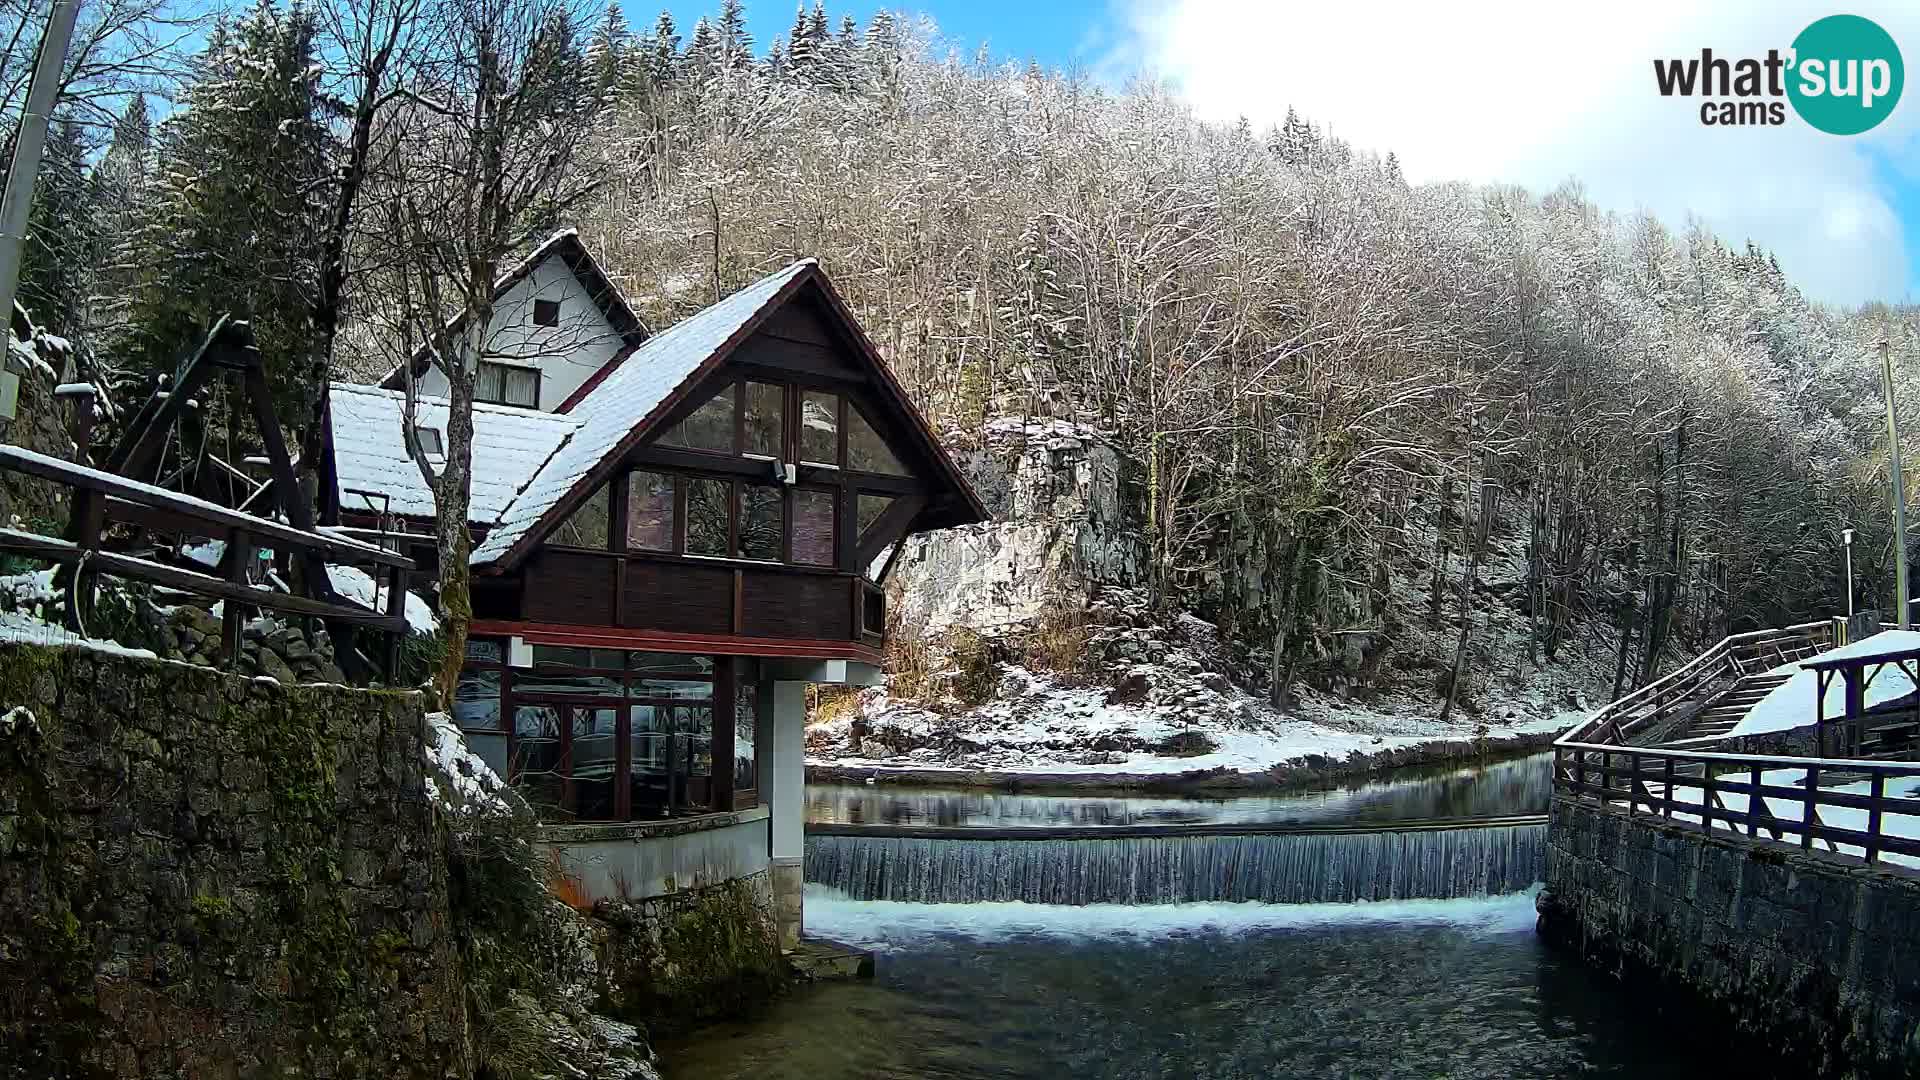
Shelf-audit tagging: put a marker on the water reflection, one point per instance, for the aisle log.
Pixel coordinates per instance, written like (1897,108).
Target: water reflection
(1229,997)
(1521,786)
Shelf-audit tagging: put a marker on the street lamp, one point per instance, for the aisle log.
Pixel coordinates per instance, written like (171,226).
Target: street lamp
(1846,544)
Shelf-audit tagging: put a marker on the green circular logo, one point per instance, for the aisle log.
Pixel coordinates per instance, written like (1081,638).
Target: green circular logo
(1846,74)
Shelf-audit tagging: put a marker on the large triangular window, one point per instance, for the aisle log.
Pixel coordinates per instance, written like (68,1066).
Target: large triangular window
(867,451)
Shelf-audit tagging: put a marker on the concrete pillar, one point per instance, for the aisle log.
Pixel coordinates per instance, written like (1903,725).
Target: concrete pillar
(786,790)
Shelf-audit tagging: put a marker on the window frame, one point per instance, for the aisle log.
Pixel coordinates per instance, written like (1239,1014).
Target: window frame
(545,307)
(721,677)
(539,384)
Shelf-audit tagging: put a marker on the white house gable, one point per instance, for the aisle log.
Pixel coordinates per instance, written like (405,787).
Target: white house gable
(547,338)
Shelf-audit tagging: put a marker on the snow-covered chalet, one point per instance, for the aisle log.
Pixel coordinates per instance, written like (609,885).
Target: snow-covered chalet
(674,533)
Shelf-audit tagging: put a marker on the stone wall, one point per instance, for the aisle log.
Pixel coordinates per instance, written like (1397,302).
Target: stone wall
(1813,958)
(202,875)
(696,955)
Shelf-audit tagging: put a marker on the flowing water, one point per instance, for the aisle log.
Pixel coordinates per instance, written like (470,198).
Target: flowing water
(1519,786)
(1035,959)
(1448,988)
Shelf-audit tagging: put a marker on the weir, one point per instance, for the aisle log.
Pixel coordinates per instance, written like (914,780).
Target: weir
(1174,864)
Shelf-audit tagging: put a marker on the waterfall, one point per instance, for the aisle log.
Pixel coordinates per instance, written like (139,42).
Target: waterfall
(1287,868)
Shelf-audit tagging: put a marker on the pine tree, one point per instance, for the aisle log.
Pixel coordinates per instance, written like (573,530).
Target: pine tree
(61,252)
(662,52)
(608,49)
(800,48)
(233,201)
(703,49)
(1393,168)
(733,44)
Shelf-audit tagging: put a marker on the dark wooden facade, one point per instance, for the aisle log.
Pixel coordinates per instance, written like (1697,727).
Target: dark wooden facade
(674,597)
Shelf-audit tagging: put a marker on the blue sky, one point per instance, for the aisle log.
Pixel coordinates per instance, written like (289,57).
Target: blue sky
(1503,91)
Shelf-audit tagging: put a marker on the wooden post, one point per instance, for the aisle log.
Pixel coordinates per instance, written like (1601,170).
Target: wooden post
(1875,795)
(1753,802)
(1633,784)
(1807,817)
(396,608)
(239,554)
(1666,809)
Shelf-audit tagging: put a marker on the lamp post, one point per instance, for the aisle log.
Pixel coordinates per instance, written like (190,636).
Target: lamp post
(1846,545)
(1899,488)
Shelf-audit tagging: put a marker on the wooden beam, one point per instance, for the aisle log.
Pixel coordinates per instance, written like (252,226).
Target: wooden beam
(607,637)
(889,527)
(205,513)
(109,562)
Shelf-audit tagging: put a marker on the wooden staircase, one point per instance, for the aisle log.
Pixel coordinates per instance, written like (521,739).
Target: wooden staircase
(1725,710)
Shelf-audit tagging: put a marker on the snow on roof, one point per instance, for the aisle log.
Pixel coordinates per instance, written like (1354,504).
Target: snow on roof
(509,446)
(1791,704)
(630,393)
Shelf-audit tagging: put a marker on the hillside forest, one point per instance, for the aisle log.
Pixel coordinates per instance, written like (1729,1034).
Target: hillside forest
(1326,382)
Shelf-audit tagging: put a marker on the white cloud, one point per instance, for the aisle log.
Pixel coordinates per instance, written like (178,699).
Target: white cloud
(1531,93)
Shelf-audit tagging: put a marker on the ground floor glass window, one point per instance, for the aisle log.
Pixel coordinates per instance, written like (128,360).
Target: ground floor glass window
(555,729)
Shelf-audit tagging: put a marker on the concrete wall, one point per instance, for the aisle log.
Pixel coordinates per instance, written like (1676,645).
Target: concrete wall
(643,859)
(1813,957)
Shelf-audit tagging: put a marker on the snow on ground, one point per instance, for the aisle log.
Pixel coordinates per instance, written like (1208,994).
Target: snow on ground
(1183,723)
(19,627)
(1791,704)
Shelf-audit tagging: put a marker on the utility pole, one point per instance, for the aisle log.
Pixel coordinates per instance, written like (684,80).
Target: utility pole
(1899,488)
(28,142)
(1846,544)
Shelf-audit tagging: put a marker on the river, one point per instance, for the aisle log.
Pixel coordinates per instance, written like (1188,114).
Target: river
(1224,991)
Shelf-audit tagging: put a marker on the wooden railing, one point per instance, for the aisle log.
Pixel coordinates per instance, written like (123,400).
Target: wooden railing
(1821,806)
(103,497)
(1618,722)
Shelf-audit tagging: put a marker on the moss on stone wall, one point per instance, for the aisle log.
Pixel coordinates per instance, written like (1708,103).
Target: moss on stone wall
(192,867)
(694,956)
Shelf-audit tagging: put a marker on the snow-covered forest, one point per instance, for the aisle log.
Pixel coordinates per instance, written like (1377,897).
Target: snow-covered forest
(1322,378)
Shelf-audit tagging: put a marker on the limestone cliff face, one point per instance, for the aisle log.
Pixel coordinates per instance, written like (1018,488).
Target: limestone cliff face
(1062,528)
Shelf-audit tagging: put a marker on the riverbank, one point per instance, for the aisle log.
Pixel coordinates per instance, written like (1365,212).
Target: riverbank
(1165,776)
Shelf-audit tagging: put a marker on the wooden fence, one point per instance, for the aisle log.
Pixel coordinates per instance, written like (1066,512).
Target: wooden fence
(100,498)
(1823,804)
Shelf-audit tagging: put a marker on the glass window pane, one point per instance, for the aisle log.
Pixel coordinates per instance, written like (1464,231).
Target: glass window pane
(813,527)
(592,761)
(650,512)
(709,428)
(647,778)
(707,517)
(670,662)
(555,682)
(656,686)
(522,388)
(870,509)
(693,755)
(476,700)
(760,521)
(745,714)
(489,382)
(866,451)
(586,527)
(766,419)
(538,763)
(490,650)
(820,428)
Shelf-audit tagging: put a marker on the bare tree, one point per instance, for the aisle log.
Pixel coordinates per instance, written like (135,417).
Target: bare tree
(488,149)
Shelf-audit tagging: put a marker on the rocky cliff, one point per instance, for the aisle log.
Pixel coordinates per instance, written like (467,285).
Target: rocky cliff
(1033,643)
